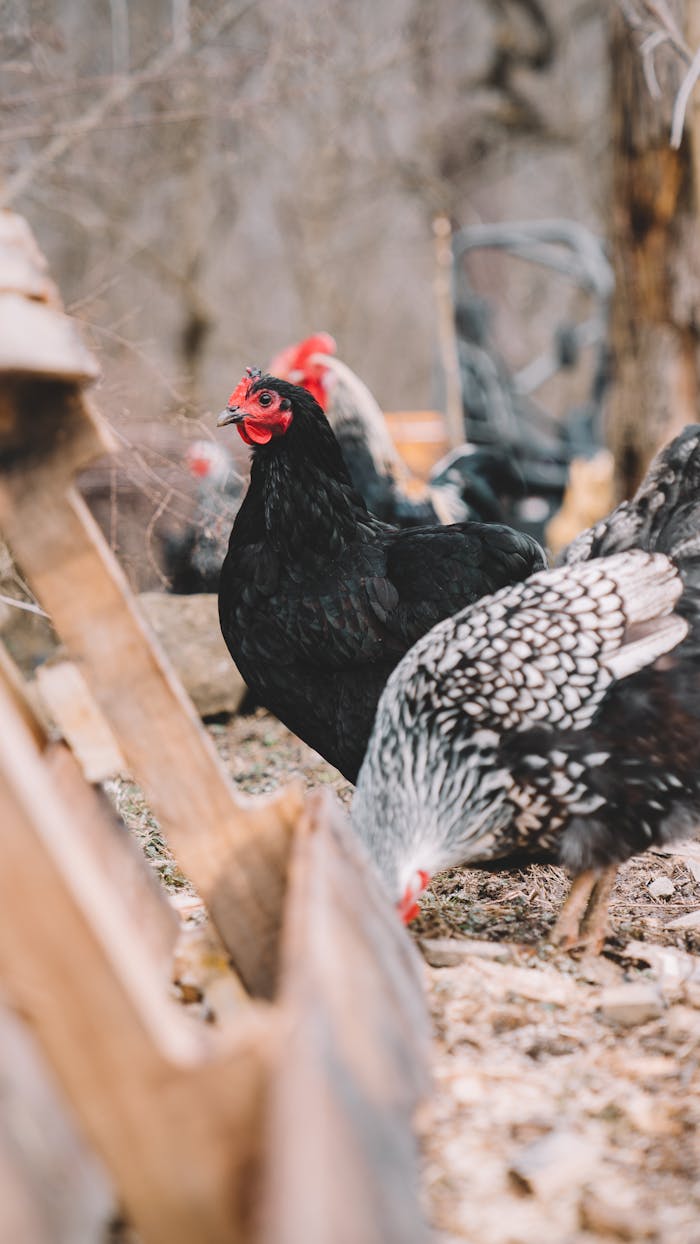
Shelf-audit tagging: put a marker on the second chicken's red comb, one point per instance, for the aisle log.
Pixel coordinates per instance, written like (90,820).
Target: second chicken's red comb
(295,358)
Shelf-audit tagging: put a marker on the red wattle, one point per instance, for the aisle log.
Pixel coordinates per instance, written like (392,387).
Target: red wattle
(408,907)
(409,913)
(254,434)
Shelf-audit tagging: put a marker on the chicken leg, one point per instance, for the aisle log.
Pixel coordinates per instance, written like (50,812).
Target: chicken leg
(583,920)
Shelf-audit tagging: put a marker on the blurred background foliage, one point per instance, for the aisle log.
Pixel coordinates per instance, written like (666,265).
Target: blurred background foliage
(211,180)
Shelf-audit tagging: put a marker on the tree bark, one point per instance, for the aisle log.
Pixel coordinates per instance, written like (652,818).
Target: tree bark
(656,307)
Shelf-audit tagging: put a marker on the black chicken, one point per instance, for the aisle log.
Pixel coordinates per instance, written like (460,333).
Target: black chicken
(318,599)
(540,724)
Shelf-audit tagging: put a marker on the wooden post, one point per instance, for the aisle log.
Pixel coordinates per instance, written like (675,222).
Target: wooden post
(174,1115)
(101,834)
(233,850)
(447,333)
(175,1110)
(53,1189)
(20,1217)
(656,259)
(308,1101)
(355,1054)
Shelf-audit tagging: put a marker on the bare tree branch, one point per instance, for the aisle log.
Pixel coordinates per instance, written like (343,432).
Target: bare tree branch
(181,23)
(121,53)
(682,98)
(22,604)
(647,50)
(120,90)
(658,25)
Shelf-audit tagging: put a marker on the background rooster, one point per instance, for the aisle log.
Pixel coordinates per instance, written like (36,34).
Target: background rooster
(193,555)
(472,488)
(539,725)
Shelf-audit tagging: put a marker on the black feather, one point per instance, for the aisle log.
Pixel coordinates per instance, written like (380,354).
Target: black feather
(319,599)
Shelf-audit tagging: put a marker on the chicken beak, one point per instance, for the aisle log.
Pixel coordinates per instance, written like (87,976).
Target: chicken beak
(232,414)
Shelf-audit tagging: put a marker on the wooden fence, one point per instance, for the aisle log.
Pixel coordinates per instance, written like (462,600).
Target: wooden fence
(291,1123)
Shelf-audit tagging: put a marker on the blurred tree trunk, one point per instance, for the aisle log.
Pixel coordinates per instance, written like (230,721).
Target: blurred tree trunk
(656,308)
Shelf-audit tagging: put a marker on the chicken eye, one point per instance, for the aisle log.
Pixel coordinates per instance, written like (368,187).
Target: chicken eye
(265,399)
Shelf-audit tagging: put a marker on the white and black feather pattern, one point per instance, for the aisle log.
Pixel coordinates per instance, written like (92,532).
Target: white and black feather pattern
(464,765)
(353,411)
(544,652)
(661,517)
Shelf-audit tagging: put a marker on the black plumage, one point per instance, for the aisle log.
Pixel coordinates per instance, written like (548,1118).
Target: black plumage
(319,599)
(558,720)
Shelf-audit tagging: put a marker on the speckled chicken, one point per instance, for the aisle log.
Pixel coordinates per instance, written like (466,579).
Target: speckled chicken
(558,720)
(319,599)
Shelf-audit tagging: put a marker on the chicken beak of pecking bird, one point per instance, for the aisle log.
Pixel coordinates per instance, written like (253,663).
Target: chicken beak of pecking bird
(232,414)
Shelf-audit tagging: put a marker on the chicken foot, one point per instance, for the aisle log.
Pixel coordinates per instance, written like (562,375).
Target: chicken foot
(583,920)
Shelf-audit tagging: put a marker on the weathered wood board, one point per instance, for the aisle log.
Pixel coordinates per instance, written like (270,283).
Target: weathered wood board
(355,1054)
(292,1121)
(224,844)
(175,1118)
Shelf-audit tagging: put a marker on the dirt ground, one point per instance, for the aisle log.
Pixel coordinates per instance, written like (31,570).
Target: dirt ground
(566,1107)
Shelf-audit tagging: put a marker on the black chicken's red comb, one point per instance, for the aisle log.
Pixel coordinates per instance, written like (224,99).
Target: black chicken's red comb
(241,390)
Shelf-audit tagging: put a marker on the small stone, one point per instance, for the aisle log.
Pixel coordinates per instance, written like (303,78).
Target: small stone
(661,887)
(683,1022)
(188,628)
(507,1018)
(452,952)
(551,1165)
(441,952)
(691,921)
(630,1004)
(602,1215)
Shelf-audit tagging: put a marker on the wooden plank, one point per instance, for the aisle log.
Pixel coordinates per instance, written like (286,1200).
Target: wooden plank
(447,330)
(355,1055)
(235,852)
(23,268)
(19,275)
(16,688)
(67,698)
(20,1216)
(31,431)
(113,851)
(175,1118)
(53,1188)
(102,834)
(41,340)
(420,437)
